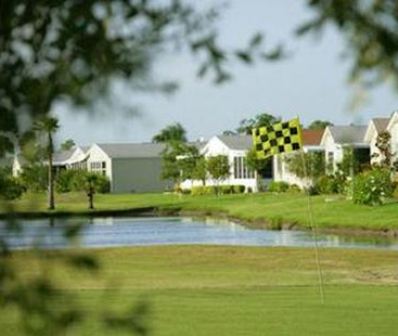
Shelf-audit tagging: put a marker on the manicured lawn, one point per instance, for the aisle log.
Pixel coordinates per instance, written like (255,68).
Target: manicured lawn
(205,290)
(259,209)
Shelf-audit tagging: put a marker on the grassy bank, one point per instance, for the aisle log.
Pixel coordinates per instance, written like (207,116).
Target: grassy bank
(259,210)
(231,290)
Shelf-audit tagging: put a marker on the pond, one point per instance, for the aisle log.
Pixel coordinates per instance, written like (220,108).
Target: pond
(133,231)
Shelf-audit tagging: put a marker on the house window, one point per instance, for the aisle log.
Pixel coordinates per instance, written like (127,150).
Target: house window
(241,170)
(330,161)
(98,167)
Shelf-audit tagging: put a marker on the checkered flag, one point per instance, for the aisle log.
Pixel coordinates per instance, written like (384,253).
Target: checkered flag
(282,137)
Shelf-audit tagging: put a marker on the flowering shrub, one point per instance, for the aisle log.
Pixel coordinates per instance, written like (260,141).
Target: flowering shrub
(373,187)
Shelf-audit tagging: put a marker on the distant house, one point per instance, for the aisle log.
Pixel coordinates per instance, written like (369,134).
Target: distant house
(235,147)
(336,139)
(392,128)
(130,167)
(311,143)
(376,126)
(74,158)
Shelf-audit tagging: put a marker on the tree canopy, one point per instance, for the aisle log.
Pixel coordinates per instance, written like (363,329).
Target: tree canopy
(319,124)
(174,132)
(260,120)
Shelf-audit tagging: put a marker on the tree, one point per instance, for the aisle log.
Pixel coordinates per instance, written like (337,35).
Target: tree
(370,31)
(68,144)
(256,164)
(174,132)
(10,187)
(319,124)
(218,168)
(48,126)
(200,170)
(383,144)
(260,120)
(309,165)
(176,157)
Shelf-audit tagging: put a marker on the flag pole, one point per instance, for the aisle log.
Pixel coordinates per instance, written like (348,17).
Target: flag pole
(314,228)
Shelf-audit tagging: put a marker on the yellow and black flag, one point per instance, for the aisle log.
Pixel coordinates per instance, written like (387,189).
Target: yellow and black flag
(282,137)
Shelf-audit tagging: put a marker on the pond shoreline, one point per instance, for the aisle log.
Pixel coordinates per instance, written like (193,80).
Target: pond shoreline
(153,211)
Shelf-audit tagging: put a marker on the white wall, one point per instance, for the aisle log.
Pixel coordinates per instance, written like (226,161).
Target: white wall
(96,154)
(216,147)
(393,129)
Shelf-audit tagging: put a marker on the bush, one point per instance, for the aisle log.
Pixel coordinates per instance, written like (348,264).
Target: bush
(294,188)
(76,180)
(10,187)
(216,190)
(278,187)
(372,187)
(35,178)
(238,189)
(206,190)
(226,189)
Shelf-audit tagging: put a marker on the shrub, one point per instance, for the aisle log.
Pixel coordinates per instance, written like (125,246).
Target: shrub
(10,187)
(372,187)
(226,189)
(238,189)
(63,181)
(186,191)
(278,186)
(35,178)
(294,188)
(76,180)
(207,190)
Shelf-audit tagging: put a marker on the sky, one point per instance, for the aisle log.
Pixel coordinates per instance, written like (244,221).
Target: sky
(311,83)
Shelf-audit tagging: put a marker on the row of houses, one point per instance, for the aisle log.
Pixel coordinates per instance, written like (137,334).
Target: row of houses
(137,167)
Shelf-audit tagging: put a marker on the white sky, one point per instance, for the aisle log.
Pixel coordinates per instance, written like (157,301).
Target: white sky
(312,84)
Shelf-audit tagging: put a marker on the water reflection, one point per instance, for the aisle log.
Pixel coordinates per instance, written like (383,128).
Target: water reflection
(127,231)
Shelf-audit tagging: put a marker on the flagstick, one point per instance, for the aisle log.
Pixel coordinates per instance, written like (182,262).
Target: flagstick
(314,230)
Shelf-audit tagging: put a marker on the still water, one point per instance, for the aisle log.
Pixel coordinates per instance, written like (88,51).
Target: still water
(133,231)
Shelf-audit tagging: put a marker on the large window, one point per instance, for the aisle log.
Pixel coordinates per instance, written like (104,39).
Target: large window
(241,170)
(98,167)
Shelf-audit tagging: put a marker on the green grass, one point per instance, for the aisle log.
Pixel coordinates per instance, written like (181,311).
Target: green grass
(258,209)
(207,290)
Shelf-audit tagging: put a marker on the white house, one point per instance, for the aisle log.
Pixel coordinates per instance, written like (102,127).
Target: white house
(336,138)
(311,143)
(130,167)
(375,127)
(235,148)
(64,159)
(392,128)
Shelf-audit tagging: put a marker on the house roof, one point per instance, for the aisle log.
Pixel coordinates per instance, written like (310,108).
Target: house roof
(312,137)
(348,134)
(132,150)
(63,155)
(237,142)
(380,124)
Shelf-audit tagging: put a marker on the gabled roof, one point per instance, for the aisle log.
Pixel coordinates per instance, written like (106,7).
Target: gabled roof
(237,142)
(132,150)
(62,155)
(312,137)
(380,124)
(348,134)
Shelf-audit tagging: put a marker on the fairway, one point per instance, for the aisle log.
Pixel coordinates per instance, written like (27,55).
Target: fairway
(208,290)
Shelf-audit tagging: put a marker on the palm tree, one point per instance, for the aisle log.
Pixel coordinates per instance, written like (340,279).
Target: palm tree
(48,126)
(91,180)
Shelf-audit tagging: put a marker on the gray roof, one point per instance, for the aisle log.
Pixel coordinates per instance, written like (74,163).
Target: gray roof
(348,134)
(84,149)
(237,142)
(132,150)
(63,155)
(380,124)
